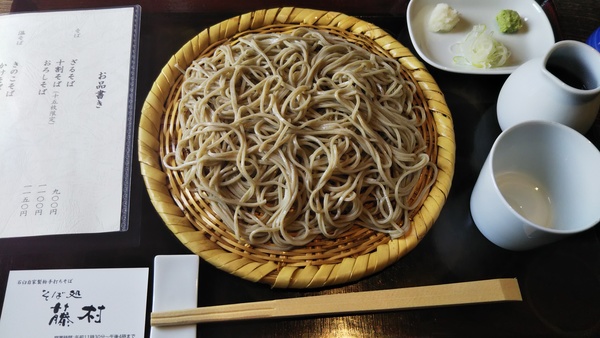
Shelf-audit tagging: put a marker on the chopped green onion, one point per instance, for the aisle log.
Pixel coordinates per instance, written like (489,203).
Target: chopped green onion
(479,49)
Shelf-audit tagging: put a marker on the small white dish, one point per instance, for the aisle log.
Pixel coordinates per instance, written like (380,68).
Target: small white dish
(175,288)
(532,41)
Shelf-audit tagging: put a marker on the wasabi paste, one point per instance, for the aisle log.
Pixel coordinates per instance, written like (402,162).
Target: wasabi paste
(509,21)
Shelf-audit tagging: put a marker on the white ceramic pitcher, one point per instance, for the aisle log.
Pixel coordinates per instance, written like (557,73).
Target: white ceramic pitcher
(563,86)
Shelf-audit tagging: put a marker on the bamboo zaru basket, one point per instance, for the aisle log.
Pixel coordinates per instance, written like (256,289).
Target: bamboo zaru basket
(359,252)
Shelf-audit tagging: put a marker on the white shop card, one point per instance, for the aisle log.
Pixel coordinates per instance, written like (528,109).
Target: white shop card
(75,303)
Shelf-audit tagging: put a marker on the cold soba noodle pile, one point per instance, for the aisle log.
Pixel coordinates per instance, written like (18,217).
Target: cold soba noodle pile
(294,135)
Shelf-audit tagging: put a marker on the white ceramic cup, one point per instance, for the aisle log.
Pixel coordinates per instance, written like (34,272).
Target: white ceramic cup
(539,183)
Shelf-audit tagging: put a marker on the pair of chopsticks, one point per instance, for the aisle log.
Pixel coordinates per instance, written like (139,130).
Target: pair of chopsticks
(493,290)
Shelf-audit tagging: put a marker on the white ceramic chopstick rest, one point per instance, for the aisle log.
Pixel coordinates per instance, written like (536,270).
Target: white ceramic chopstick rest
(175,287)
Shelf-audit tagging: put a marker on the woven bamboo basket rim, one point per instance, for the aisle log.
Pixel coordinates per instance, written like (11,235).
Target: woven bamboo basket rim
(359,252)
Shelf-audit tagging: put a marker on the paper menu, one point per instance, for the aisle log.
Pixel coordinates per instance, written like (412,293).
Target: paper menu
(67,98)
(75,303)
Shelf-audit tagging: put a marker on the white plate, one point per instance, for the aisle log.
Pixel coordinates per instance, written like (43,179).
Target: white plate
(532,41)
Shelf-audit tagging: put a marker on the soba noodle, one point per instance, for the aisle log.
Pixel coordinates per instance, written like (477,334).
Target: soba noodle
(291,136)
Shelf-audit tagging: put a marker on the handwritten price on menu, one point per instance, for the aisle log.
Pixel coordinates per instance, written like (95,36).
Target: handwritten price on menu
(39,200)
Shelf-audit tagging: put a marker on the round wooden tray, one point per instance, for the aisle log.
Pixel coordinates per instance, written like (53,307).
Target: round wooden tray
(359,252)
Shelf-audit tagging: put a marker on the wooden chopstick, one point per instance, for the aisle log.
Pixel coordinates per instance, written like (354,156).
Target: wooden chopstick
(493,290)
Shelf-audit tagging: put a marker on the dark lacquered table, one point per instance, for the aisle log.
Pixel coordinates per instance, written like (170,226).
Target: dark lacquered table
(560,283)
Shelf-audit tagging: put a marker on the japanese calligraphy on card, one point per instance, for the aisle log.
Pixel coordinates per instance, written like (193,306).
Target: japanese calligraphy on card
(75,303)
(67,99)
